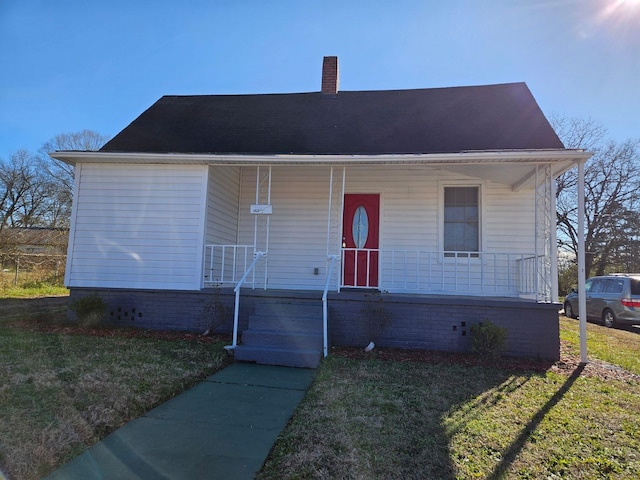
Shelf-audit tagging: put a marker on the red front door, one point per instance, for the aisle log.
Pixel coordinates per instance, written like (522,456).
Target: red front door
(360,232)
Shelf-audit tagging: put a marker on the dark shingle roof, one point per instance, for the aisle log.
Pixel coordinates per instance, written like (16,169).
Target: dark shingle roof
(437,120)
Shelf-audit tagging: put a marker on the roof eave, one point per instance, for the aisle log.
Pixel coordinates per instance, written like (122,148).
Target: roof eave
(540,156)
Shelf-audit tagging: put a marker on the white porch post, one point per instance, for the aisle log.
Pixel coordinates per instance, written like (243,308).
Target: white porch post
(261,225)
(544,246)
(554,244)
(334,214)
(582,299)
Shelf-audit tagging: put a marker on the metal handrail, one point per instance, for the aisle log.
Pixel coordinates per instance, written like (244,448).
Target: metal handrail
(236,311)
(325,310)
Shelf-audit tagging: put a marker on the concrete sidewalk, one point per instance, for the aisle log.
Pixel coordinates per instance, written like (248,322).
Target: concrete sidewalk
(223,428)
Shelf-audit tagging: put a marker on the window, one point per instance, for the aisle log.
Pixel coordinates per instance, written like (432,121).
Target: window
(461,220)
(597,286)
(360,229)
(587,285)
(615,285)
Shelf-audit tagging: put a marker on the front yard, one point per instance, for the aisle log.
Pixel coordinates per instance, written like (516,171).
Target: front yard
(61,391)
(457,419)
(379,415)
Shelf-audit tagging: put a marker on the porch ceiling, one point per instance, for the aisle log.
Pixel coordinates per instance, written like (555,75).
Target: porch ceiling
(516,168)
(517,176)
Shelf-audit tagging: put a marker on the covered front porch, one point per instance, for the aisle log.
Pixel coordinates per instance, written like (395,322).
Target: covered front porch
(308,230)
(299,222)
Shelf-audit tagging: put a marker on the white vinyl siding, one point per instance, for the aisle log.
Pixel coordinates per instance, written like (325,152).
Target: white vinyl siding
(223,196)
(508,219)
(222,206)
(410,216)
(297,226)
(137,226)
(144,226)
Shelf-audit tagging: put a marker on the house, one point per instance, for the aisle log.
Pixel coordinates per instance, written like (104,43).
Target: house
(33,241)
(38,250)
(328,218)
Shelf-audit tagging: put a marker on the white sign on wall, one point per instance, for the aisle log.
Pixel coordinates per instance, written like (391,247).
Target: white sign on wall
(261,209)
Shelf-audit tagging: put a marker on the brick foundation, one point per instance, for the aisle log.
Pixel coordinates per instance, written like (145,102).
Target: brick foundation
(404,321)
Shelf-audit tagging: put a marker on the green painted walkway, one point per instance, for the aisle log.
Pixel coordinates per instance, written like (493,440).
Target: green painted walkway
(223,428)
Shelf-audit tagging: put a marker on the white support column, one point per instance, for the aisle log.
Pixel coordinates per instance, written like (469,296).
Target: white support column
(334,220)
(544,234)
(262,222)
(344,180)
(334,224)
(554,244)
(536,236)
(582,299)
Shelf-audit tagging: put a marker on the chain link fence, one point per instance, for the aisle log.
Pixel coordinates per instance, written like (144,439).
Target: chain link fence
(31,269)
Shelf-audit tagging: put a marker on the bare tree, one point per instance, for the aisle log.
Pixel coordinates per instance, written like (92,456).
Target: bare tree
(23,191)
(85,140)
(35,190)
(61,174)
(612,197)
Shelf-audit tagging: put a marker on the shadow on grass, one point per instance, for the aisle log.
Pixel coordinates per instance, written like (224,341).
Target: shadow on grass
(15,307)
(631,328)
(382,419)
(516,447)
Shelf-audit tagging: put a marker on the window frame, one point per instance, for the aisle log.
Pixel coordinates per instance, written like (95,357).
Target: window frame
(460,255)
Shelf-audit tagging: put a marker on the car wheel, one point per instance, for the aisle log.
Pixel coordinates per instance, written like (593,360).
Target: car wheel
(568,310)
(608,318)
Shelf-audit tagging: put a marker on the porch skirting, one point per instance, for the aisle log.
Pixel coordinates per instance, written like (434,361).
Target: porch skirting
(356,317)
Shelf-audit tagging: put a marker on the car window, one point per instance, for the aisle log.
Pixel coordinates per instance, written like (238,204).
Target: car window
(635,286)
(615,285)
(597,286)
(587,285)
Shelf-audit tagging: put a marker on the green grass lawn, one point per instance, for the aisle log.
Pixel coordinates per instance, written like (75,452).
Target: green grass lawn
(31,284)
(383,419)
(61,393)
(616,346)
(33,292)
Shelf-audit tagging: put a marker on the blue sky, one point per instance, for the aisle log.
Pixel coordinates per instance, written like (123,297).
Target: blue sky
(67,65)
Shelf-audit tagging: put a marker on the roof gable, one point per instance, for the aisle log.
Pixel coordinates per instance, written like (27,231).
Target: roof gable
(438,120)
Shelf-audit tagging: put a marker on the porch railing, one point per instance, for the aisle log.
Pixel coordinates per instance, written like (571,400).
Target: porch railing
(226,263)
(236,311)
(325,307)
(476,273)
(360,267)
(411,270)
(533,281)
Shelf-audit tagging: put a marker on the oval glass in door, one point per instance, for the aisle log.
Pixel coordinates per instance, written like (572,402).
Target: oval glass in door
(360,228)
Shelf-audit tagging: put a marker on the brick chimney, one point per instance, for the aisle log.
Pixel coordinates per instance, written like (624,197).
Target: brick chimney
(330,78)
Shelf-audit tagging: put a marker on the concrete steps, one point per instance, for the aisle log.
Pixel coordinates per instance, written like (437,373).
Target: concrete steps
(283,333)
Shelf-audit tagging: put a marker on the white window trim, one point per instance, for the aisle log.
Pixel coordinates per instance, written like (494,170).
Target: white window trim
(442,184)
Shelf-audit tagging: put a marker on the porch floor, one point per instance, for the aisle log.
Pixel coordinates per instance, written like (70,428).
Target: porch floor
(348,293)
